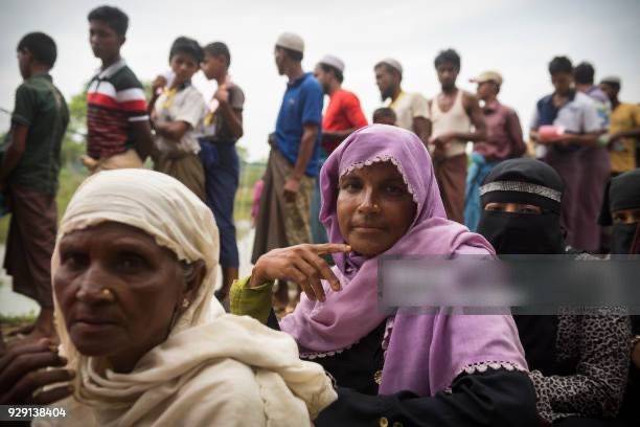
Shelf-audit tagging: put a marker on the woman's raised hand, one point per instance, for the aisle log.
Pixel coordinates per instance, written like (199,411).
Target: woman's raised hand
(301,264)
(23,373)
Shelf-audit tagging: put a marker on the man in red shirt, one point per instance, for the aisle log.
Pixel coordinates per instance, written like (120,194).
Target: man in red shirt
(344,113)
(343,116)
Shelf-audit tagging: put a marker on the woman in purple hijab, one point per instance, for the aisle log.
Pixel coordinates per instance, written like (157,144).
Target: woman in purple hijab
(380,197)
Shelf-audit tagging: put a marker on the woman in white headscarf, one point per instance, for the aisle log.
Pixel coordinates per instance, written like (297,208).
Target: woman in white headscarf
(148,344)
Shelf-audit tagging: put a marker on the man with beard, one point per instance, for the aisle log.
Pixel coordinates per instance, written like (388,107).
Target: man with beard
(343,116)
(412,111)
(294,160)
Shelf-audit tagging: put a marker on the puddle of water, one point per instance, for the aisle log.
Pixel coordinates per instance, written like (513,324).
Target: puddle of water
(13,304)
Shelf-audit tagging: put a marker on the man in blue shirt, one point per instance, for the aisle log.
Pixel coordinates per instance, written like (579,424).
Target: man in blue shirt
(293,165)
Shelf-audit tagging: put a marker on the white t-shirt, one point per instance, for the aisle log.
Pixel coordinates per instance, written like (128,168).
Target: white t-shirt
(407,106)
(187,105)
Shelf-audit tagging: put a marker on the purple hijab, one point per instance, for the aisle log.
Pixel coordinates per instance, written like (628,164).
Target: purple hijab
(426,352)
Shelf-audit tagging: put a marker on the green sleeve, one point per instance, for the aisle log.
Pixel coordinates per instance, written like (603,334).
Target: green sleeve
(254,302)
(25,109)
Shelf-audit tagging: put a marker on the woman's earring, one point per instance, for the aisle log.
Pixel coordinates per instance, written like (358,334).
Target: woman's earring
(185,303)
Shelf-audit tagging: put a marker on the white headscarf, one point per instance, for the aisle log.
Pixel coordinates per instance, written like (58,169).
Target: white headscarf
(184,377)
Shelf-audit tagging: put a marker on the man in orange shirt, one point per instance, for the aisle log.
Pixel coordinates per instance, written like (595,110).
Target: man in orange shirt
(344,113)
(342,116)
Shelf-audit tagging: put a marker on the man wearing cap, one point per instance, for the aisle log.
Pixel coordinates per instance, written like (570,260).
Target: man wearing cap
(344,113)
(504,141)
(293,164)
(457,118)
(342,116)
(624,129)
(412,111)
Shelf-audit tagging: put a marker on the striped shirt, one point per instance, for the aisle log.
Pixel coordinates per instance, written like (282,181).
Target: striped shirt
(115,98)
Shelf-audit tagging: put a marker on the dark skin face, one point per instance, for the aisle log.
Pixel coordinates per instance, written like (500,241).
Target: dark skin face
(374,208)
(612,93)
(323,78)
(184,66)
(213,66)
(24,61)
(626,216)
(147,285)
(387,81)
(281,58)
(487,90)
(562,83)
(520,208)
(105,42)
(447,75)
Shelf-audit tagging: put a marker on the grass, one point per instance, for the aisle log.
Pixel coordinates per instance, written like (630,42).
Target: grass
(23,319)
(71,177)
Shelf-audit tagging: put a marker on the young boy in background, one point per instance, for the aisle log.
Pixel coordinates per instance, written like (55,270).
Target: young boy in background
(119,134)
(29,177)
(175,114)
(221,131)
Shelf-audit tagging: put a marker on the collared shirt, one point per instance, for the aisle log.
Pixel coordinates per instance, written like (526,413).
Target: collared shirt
(624,117)
(602,104)
(344,112)
(301,105)
(183,104)
(115,99)
(504,133)
(578,115)
(41,107)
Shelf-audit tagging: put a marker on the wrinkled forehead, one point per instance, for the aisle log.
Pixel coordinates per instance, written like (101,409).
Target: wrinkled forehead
(388,159)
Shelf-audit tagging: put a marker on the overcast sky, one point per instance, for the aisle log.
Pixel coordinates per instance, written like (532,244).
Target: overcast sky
(515,37)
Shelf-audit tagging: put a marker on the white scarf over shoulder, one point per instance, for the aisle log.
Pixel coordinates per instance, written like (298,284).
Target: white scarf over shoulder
(214,368)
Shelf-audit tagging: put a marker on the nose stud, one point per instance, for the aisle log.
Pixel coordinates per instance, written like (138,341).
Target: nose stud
(107,294)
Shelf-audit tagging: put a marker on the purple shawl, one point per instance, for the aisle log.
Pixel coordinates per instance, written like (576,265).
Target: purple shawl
(425,352)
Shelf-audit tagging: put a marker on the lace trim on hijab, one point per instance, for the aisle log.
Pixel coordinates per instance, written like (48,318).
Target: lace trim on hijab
(387,335)
(522,187)
(481,367)
(314,355)
(382,159)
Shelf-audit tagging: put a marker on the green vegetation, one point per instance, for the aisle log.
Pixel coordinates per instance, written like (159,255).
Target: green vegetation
(73,173)
(23,319)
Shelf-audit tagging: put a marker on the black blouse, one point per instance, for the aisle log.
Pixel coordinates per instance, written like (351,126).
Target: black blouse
(496,397)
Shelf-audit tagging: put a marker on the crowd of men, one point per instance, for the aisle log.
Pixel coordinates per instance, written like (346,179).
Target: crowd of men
(581,129)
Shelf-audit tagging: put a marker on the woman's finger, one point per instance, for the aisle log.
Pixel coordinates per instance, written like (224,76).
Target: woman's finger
(330,248)
(323,270)
(37,347)
(27,386)
(25,363)
(316,285)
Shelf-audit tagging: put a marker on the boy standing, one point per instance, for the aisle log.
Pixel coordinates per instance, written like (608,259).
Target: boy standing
(222,129)
(575,153)
(29,176)
(175,114)
(119,135)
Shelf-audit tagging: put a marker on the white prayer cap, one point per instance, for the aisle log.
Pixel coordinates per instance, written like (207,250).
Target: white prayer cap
(333,61)
(393,63)
(291,41)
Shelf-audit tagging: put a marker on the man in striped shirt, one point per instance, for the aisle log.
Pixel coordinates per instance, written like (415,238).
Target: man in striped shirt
(119,134)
